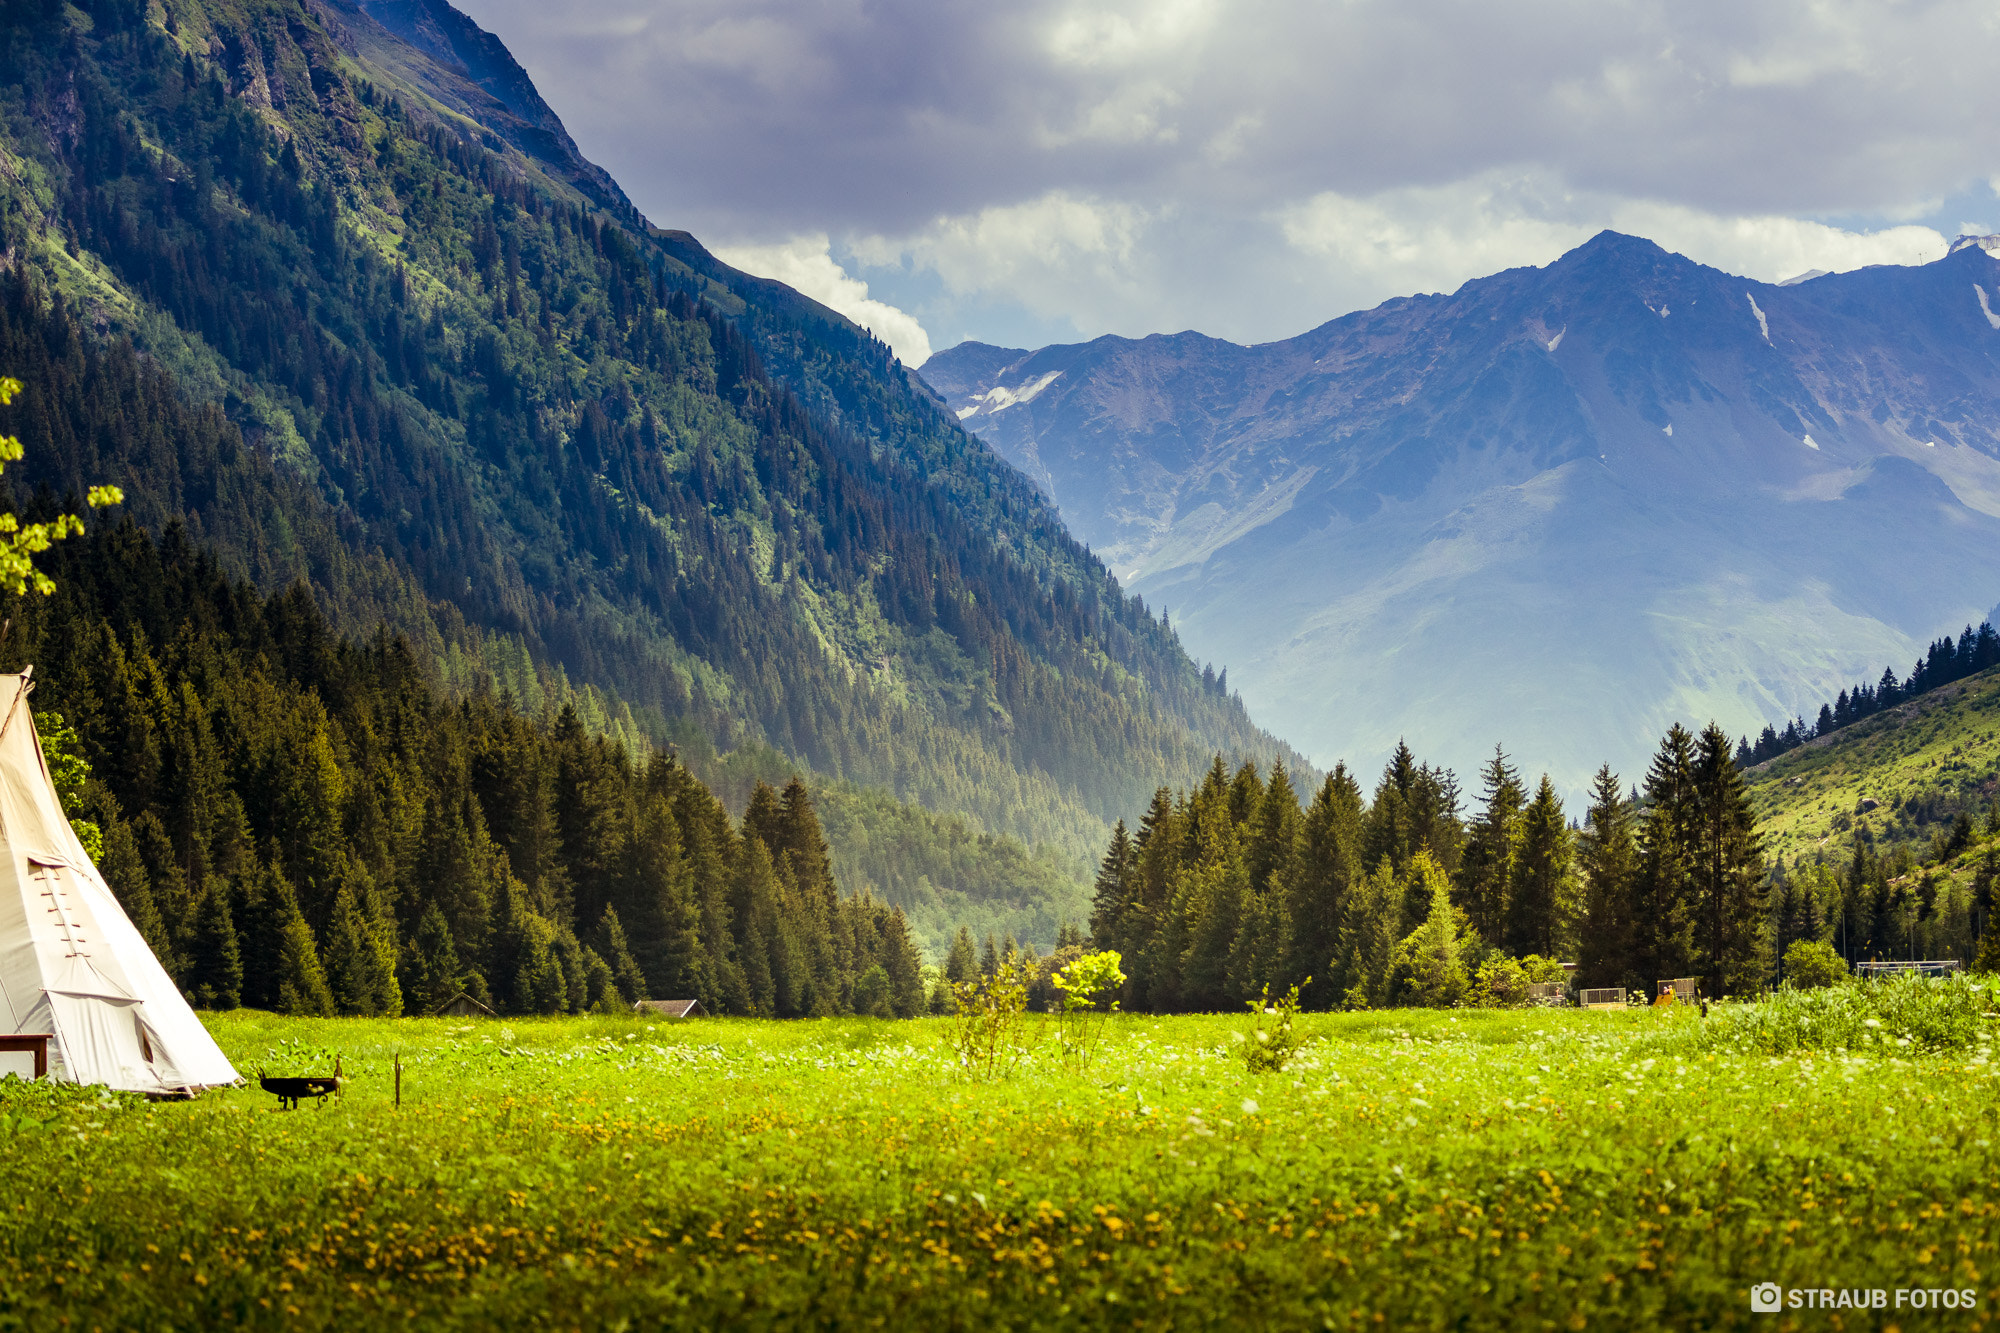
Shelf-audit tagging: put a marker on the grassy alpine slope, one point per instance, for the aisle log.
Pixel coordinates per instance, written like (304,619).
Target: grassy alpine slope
(502,413)
(1421,1170)
(1886,831)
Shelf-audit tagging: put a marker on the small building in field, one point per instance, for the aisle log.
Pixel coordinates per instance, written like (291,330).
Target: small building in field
(671,1008)
(461,1005)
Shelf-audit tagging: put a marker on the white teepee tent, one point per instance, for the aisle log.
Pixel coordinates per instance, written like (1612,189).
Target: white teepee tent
(71,962)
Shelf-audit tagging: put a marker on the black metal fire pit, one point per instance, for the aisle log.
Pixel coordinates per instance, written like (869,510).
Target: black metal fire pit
(290,1090)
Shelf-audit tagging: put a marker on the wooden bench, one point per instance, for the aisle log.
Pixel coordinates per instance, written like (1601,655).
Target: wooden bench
(34,1045)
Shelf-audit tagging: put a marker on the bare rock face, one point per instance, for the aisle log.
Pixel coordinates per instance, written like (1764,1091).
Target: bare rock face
(1559,508)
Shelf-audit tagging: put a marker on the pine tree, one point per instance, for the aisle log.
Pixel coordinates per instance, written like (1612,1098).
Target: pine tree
(1368,940)
(1272,843)
(1430,961)
(1108,895)
(1318,887)
(1727,872)
(359,972)
(1486,872)
(215,960)
(613,950)
(961,965)
(1608,857)
(432,972)
(1539,889)
(1664,908)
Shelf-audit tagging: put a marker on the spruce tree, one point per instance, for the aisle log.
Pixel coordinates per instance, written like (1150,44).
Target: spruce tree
(1539,889)
(432,971)
(1368,941)
(1319,885)
(1486,872)
(1272,840)
(1727,872)
(611,947)
(1430,961)
(754,909)
(1663,917)
(215,959)
(360,973)
(898,957)
(961,965)
(281,967)
(1609,859)
(1108,903)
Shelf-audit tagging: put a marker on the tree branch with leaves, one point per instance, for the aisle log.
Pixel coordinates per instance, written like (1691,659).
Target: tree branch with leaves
(20,543)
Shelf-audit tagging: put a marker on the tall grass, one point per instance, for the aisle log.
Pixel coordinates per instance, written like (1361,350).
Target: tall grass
(1904,1014)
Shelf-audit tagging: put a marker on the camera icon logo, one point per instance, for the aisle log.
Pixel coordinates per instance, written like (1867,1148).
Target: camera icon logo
(1766,1298)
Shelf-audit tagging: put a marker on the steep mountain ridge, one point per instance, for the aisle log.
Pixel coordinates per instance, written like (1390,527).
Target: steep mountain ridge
(1559,508)
(556,436)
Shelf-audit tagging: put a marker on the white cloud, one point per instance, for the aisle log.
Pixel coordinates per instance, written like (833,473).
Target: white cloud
(1251,170)
(1043,254)
(806,265)
(1434,238)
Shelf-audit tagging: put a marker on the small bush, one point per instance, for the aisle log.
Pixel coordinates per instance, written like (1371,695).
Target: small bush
(1812,964)
(871,994)
(1087,985)
(988,1035)
(1267,1050)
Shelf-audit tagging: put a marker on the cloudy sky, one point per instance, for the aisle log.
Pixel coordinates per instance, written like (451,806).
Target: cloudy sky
(1033,171)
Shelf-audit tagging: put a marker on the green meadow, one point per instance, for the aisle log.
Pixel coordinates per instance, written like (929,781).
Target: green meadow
(1426,1169)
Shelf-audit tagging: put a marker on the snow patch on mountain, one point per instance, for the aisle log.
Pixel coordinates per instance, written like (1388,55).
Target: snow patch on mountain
(1763,325)
(1984,308)
(999,398)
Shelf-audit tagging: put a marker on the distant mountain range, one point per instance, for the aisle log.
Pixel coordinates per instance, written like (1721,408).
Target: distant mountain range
(1557,509)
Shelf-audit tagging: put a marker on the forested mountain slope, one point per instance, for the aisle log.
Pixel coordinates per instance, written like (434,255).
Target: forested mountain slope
(481,401)
(302,823)
(1561,507)
(1886,833)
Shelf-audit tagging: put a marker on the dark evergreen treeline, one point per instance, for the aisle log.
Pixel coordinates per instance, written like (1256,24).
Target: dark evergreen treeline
(1947,660)
(298,821)
(563,429)
(1399,898)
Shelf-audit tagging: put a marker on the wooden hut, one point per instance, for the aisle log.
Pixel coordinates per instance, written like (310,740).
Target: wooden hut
(671,1008)
(461,1005)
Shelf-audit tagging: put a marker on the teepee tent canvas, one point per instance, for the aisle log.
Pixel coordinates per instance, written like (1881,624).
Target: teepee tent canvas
(71,962)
